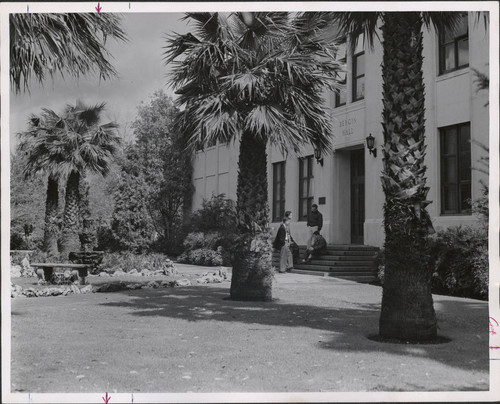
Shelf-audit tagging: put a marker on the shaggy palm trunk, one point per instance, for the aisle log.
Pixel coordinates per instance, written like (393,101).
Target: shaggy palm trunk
(70,238)
(51,229)
(407,307)
(252,273)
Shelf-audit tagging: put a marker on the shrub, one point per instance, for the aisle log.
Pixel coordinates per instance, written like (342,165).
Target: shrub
(127,261)
(213,233)
(460,259)
(17,242)
(202,256)
(216,213)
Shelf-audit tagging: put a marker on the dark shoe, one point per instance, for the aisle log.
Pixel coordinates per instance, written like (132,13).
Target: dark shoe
(289,269)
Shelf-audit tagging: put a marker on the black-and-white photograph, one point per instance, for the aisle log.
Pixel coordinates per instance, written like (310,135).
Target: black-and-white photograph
(250,202)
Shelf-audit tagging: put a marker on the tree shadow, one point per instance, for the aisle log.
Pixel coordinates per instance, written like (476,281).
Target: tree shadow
(463,321)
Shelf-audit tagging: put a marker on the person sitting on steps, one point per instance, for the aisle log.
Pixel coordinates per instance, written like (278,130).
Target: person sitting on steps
(318,247)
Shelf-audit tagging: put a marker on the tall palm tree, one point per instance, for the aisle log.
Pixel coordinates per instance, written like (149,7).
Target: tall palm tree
(88,147)
(68,145)
(407,307)
(38,143)
(43,44)
(257,78)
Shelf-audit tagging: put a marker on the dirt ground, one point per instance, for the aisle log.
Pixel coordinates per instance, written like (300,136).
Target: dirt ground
(312,338)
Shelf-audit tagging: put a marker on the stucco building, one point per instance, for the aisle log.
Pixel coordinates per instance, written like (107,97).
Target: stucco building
(346,184)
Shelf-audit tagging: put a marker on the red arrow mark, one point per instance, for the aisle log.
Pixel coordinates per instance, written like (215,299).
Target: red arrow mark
(106,400)
(99,8)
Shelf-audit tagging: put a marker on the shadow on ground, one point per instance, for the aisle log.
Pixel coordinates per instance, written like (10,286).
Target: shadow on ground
(350,327)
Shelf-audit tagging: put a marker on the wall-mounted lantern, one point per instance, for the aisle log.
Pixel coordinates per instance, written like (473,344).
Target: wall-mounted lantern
(318,157)
(370,145)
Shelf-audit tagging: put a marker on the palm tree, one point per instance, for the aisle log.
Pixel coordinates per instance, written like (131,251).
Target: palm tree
(407,307)
(39,142)
(257,78)
(88,147)
(69,146)
(42,44)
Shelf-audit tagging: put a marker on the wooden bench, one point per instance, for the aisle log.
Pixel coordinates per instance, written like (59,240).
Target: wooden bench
(49,267)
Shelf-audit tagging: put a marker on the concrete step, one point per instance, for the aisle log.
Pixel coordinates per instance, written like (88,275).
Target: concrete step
(343,258)
(357,278)
(329,268)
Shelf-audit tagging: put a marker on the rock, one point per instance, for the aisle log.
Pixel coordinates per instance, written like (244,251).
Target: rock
(86,289)
(158,272)
(42,282)
(104,274)
(153,284)
(183,282)
(133,286)
(54,292)
(133,272)
(15,271)
(145,272)
(165,284)
(223,272)
(120,273)
(16,290)
(75,289)
(67,291)
(29,292)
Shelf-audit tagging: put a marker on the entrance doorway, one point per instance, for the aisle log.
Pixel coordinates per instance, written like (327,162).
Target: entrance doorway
(357,196)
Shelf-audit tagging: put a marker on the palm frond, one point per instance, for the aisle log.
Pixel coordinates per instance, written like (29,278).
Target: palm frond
(46,44)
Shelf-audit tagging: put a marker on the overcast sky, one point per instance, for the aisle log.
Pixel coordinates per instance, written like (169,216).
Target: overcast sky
(140,68)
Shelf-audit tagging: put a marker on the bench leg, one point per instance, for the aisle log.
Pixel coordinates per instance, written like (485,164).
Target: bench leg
(82,274)
(48,274)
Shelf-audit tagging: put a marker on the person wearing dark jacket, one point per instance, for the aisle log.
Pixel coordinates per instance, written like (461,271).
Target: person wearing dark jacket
(318,247)
(282,243)
(314,223)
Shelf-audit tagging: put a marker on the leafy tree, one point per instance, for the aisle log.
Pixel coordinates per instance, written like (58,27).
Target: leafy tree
(42,44)
(258,78)
(26,207)
(131,224)
(166,166)
(407,307)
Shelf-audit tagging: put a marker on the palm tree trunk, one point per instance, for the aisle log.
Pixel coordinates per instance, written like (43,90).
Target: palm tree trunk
(407,307)
(252,273)
(51,211)
(71,241)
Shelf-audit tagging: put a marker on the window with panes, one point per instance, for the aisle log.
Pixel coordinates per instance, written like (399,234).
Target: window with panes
(278,191)
(456,171)
(454,47)
(358,72)
(341,94)
(305,186)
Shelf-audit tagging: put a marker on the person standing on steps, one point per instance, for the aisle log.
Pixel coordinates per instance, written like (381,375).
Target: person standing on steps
(283,242)
(314,223)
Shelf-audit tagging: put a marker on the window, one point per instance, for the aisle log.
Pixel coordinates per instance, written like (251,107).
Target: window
(305,186)
(456,169)
(454,48)
(278,191)
(358,76)
(341,95)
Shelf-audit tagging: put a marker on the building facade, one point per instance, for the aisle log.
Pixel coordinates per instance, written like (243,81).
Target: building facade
(346,183)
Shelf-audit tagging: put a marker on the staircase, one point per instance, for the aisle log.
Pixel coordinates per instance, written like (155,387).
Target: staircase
(352,262)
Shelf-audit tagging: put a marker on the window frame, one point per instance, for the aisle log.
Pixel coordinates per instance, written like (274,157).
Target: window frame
(302,216)
(458,156)
(279,188)
(337,103)
(356,76)
(442,47)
